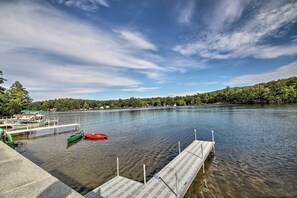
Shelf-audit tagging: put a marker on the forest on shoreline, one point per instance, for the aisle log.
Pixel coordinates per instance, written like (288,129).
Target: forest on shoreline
(283,91)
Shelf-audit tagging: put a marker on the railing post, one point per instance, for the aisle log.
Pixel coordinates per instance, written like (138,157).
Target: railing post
(176,184)
(213,142)
(144,175)
(203,170)
(118,167)
(202,151)
(195,134)
(178,147)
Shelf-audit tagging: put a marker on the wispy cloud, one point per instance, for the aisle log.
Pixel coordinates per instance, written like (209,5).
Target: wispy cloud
(225,13)
(53,93)
(280,73)
(246,39)
(137,40)
(36,48)
(140,89)
(210,83)
(87,5)
(186,10)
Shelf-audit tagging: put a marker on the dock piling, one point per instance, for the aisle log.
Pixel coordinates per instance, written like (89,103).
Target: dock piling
(118,167)
(203,170)
(213,142)
(195,134)
(178,147)
(144,175)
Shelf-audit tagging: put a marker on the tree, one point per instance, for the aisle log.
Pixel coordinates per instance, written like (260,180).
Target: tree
(2,89)
(3,98)
(18,98)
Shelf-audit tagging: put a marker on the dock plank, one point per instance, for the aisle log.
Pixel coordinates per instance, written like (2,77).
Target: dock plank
(187,164)
(41,128)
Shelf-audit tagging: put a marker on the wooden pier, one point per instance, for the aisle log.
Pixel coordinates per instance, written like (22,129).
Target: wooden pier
(172,181)
(55,127)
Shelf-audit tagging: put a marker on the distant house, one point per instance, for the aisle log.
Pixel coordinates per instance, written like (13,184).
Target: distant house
(106,107)
(101,107)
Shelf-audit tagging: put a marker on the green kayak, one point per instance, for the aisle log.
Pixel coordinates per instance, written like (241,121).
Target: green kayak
(75,136)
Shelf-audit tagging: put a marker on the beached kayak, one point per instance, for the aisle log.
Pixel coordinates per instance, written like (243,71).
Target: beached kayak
(75,136)
(95,136)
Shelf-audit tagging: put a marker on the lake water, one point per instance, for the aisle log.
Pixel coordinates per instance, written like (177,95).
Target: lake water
(256,152)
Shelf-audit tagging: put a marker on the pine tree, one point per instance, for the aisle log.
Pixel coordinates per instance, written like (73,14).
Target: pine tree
(18,98)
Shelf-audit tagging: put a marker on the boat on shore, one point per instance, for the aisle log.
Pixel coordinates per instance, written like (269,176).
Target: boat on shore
(26,119)
(97,136)
(75,136)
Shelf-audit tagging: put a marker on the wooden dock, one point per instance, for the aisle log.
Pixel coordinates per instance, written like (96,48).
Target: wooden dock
(172,181)
(42,128)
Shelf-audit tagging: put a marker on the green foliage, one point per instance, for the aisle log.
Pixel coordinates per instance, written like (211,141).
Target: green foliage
(2,89)
(274,92)
(14,99)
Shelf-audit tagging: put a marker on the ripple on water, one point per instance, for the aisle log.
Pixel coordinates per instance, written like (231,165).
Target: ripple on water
(255,148)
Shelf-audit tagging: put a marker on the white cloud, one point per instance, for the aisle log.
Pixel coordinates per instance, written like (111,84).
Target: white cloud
(280,73)
(247,38)
(36,27)
(226,13)
(43,47)
(87,5)
(186,11)
(210,83)
(141,89)
(41,92)
(137,40)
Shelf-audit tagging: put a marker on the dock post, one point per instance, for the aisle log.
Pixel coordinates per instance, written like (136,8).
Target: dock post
(195,134)
(202,151)
(176,184)
(178,147)
(203,170)
(213,142)
(118,167)
(144,175)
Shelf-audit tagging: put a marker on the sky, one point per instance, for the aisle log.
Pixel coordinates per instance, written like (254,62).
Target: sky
(111,49)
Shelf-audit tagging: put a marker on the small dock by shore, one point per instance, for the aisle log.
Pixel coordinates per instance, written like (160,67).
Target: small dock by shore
(172,181)
(22,178)
(55,127)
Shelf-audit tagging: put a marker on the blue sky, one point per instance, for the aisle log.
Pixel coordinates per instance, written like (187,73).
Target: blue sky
(110,49)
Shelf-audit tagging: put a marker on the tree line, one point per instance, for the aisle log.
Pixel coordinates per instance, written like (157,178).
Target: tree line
(275,92)
(283,91)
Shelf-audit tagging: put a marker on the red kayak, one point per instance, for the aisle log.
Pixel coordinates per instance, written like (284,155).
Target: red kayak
(95,136)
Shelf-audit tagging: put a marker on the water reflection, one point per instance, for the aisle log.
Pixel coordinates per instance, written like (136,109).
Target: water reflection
(255,148)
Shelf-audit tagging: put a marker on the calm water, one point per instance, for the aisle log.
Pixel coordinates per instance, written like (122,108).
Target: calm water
(256,152)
